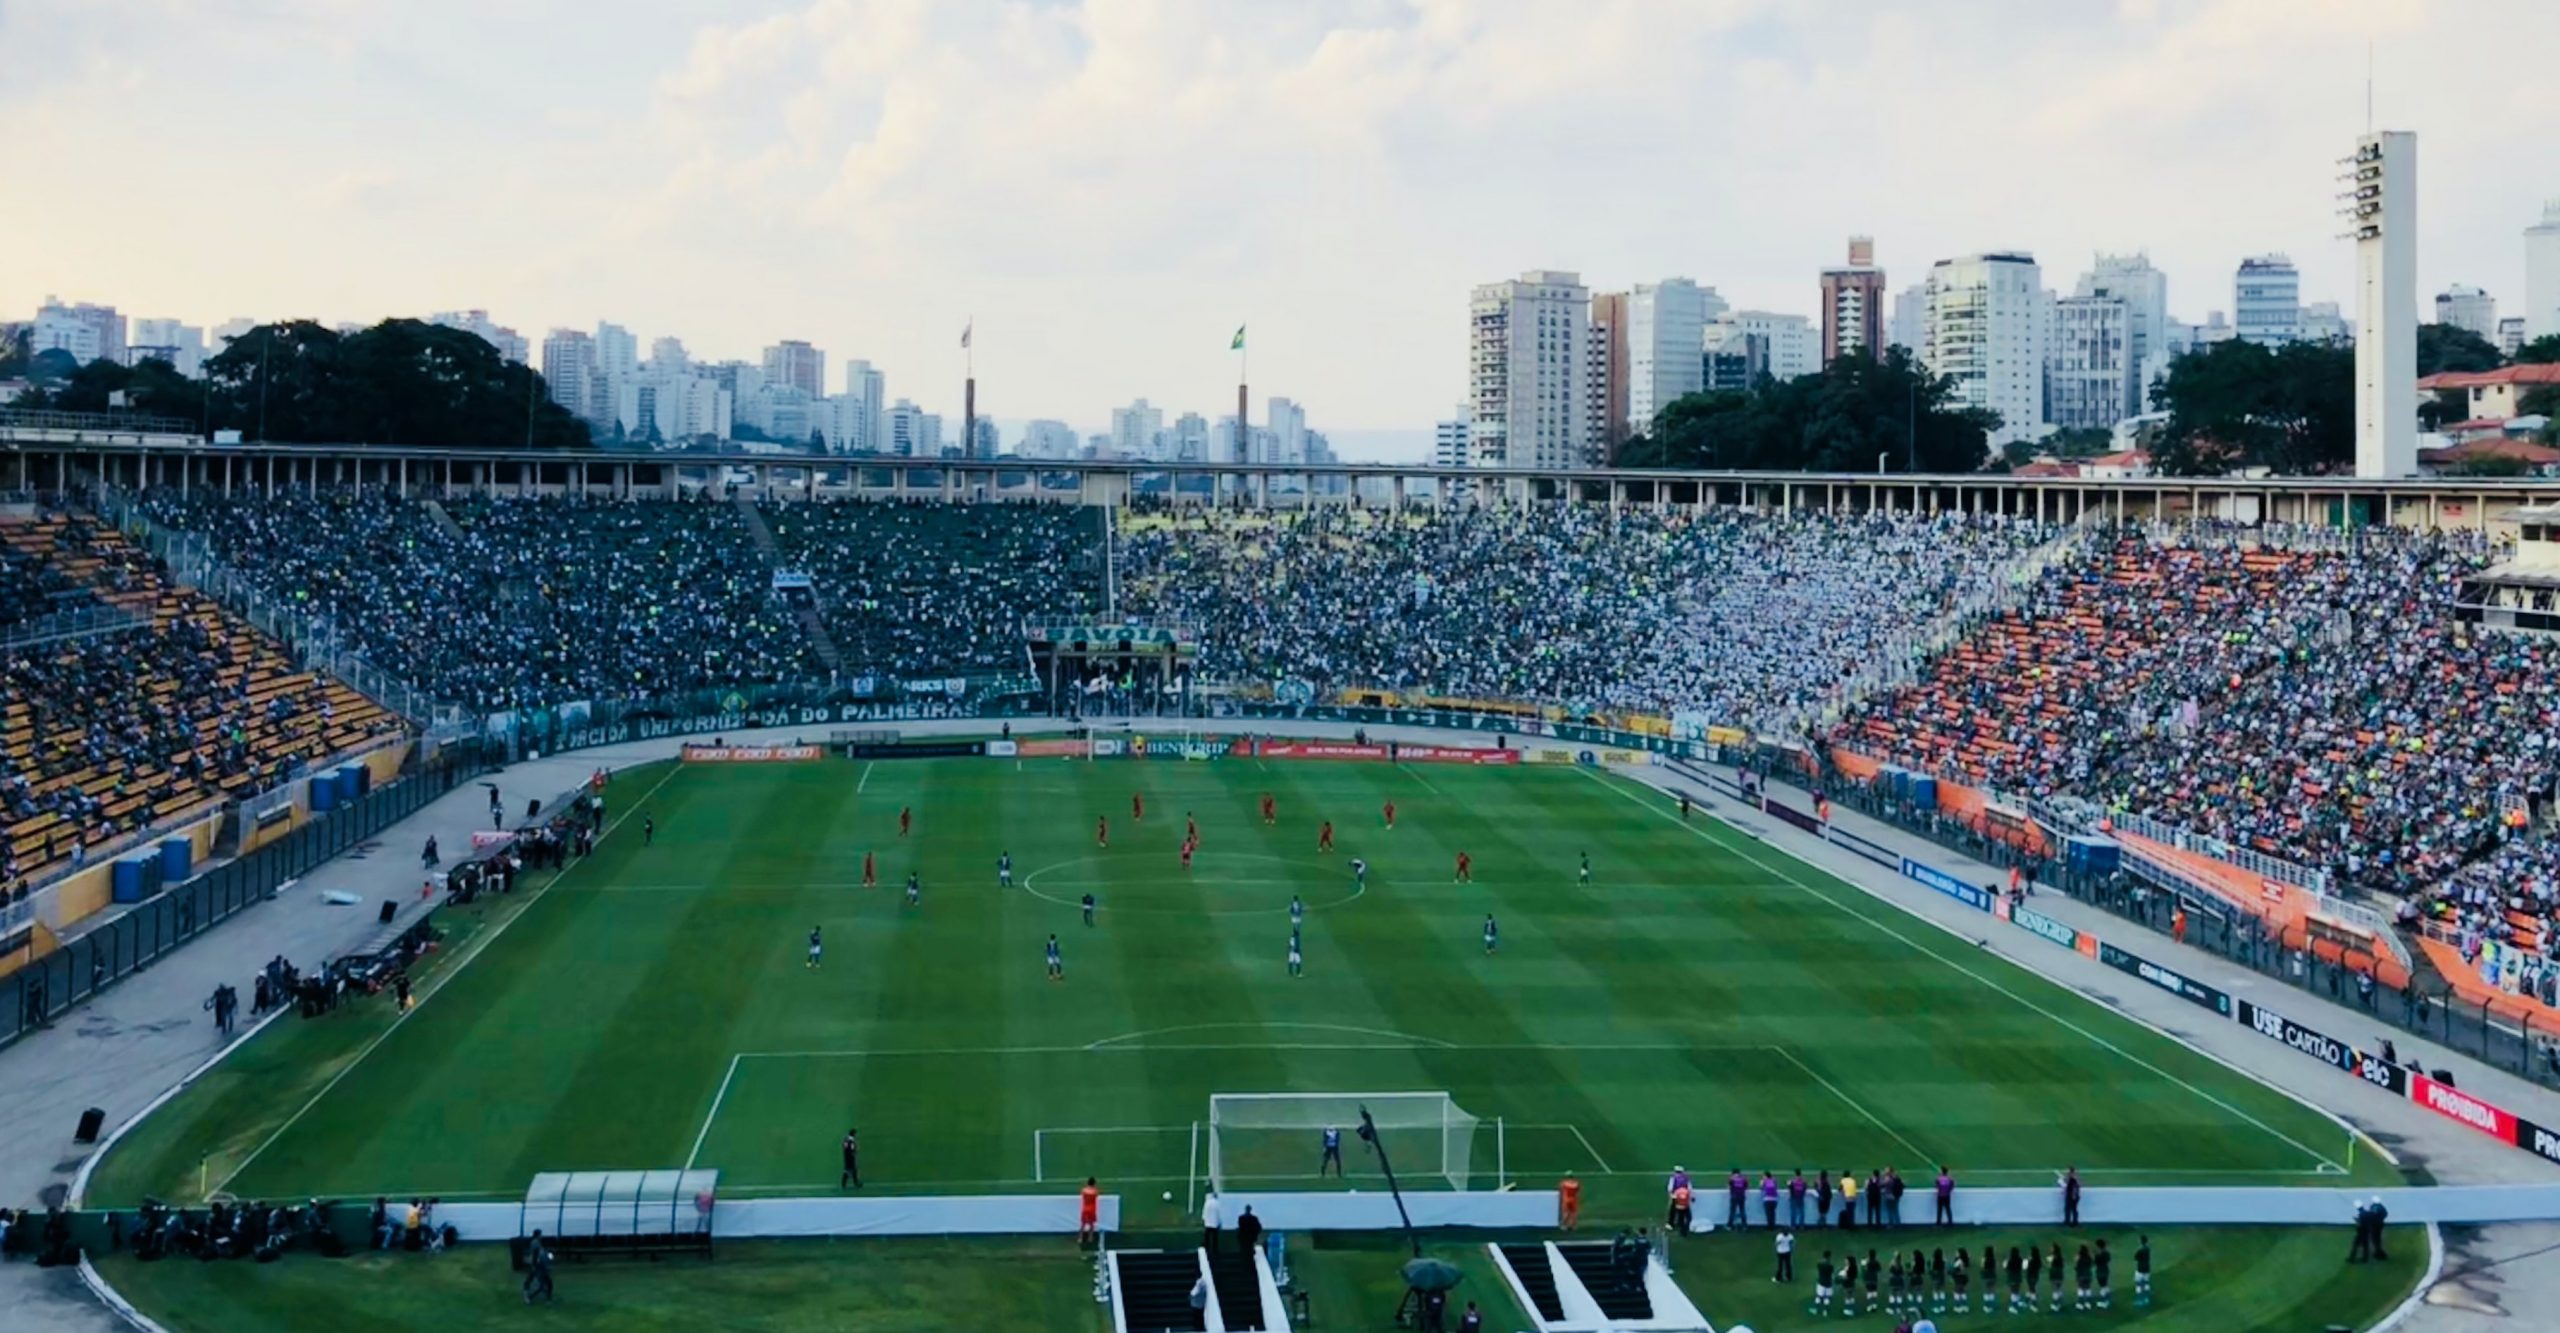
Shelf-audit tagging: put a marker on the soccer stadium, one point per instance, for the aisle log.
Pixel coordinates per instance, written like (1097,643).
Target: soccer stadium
(619,894)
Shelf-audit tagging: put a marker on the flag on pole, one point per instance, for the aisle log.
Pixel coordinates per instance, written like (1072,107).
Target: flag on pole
(965,331)
(1238,344)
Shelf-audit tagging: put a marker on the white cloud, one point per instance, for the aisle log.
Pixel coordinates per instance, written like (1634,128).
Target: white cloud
(1110,185)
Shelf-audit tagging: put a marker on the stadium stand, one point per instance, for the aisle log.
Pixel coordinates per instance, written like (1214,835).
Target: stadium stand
(108,735)
(1739,616)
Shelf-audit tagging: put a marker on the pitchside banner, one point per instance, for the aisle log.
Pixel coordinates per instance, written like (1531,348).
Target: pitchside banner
(750,754)
(2037,923)
(2323,1047)
(1947,884)
(2176,983)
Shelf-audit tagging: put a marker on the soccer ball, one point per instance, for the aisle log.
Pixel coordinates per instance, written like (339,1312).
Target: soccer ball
(1168,1196)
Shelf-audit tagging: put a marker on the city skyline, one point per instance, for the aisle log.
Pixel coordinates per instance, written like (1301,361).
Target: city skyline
(867,176)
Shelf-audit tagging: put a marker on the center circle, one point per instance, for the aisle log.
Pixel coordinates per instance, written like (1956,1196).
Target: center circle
(1202,879)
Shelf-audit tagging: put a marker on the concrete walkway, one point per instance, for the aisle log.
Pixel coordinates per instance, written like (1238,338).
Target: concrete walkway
(125,1048)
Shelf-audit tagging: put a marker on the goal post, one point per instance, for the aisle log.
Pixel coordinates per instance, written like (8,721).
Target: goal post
(1265,1140)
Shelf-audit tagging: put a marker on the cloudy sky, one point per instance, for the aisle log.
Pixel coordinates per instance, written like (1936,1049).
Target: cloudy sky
(1110,186)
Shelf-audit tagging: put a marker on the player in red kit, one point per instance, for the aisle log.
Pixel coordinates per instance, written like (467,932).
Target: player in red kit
(1391,814)
(906,820)
(1187,845)
(1466,869)
(1102,831)
(1190,829)
(1270,809)
(1324,837)
(1137,808)
(870,872)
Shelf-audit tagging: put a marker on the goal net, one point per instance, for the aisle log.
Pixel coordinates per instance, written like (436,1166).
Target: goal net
(1268,1139)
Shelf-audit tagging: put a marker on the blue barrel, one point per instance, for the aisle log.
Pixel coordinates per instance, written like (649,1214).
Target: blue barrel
(2095,856)
(350,780)
(364,779)
(324,793)
(133,878)
(177,860)
(1924,791)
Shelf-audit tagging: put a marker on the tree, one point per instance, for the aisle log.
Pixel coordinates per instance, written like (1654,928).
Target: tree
(2542,401)
(1843,419)
(2443,408)
(2541,351)
(16,351)
(2236,405)
(2443,347)
(400,382)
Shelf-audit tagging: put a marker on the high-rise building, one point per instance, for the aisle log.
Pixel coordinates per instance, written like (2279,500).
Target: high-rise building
(668,355)
(1909,327)
(1529,354)
(1666,324)
(2089,367)
(2323,323)
(1048,439)
(1986,329)
(1732,360)
(1189,437)
(2145,293)
(1791,349)
(987,443)
(178,343)
(1134,429)
(1449,440)
(2468,308)
(2266,300)
(1610,369)
(864,416)
(510,344)
(228,331)
(1288,432)
(569,368)
(1853,304)
(2382,209)
(88,332)
(2510,339)
(913,432)
(617,351)
(2542,274)
(796,364)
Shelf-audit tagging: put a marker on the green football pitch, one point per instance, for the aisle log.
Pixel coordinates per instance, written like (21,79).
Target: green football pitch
(1705,1000)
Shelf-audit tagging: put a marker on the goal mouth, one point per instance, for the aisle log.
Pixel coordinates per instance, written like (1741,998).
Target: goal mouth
(1263,1140)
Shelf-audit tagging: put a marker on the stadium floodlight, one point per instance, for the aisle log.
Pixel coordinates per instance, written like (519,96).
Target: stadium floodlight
(1268,1139)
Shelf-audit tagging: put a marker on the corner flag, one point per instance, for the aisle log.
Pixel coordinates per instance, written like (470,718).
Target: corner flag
(1238,344)
(965,330)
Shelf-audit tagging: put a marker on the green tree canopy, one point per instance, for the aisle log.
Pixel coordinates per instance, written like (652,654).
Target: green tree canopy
(2443,347)
(2541,351)
(2235,405)
(1840,420)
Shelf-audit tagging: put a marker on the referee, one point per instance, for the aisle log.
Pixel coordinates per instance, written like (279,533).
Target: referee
(852,1176)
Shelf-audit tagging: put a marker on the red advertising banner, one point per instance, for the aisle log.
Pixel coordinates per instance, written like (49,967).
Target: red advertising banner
(1319,750)
(751,754)
(1052,749)
(1454,754)
(2447,1101)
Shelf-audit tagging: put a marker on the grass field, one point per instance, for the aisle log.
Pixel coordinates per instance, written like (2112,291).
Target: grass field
(1705,1000)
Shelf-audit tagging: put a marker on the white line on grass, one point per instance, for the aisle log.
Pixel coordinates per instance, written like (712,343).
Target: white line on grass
(1403,1038)
(1427,784)
(1596,1158)
(866,778)
(1852,1103)
(1567,1048)
(436,984)
(2101,1042)
(713,1114)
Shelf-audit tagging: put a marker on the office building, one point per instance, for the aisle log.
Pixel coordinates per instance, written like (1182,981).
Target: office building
(1288,432)
(1528,367)
(88,332)
(510,344)
(1449,440)
(1609,370)
(1986,332)
(1909,327)
(2510,337)
(1853,304)
(1793,347)
(569,368)
(1666,324)
(178,343)
(864,417)
(1048,439)
(1732,360)
(617,351)
(2266,300)
(2542,274)
(2145,293)
(986,442)
(797,365)
(2089,370)
(2322,322)
(2382,210)
(914,432)
(2469,309)
(1134,430)
(1188,438)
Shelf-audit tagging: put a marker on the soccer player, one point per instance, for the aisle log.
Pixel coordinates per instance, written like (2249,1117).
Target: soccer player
(1822,1274)
(1137,807)
(1466,869)
(1088,1215)
(813,946)
(1492,934)
(915,890)
(906,820)
(1359,872)
(1332,1153)
(1057,961)
(1297,911)
(1190,829)
(1186,854)
(2054,1262)
(851,1176)
(1088,907)
(2084,1272)
(1961,1273)
(649,830)
(1297,956)
(1586,869)
(1004,870)
(1102,831)
(1391,816)
(870,872)
(1569,1201)
(1270,809)
(2142,1272)
(1684,807)
(1324,837)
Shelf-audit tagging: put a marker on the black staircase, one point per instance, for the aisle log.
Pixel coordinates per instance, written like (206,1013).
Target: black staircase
(1155,1288)
(1619,1291)
(1239,1289)
(1536,1278)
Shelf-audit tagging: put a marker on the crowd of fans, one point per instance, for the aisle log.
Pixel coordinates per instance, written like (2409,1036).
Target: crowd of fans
(2504,913)
(914,590)
(1737,616)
